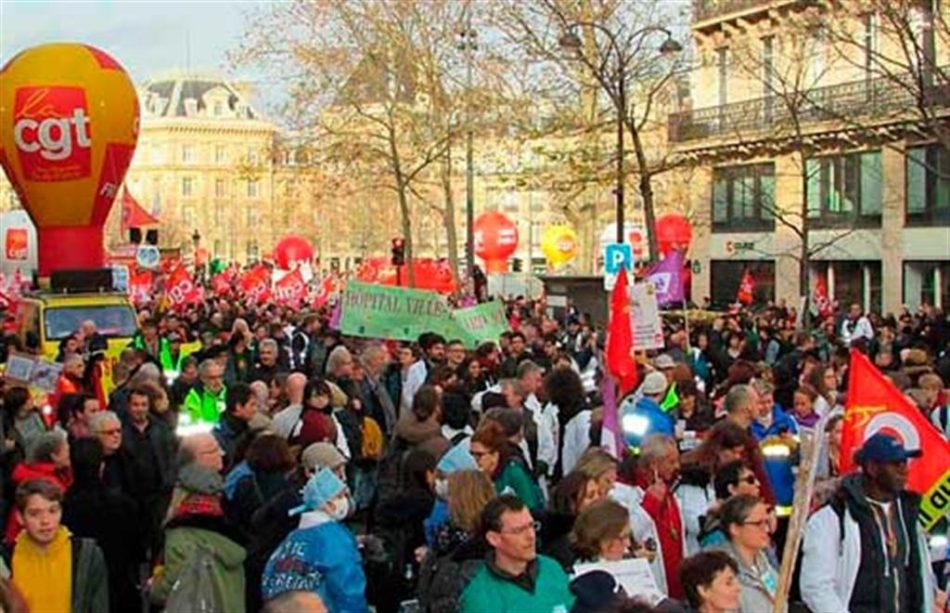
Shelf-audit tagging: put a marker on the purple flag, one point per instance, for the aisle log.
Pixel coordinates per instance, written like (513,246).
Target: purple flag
(611,438)
(667,277)
(336,314)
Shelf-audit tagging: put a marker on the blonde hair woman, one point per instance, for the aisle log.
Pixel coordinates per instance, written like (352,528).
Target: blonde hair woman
(469,492)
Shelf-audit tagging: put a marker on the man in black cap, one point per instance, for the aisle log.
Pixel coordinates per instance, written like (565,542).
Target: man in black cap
(865,551)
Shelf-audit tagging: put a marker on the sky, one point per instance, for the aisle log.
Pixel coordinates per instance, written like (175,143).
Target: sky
(147,37)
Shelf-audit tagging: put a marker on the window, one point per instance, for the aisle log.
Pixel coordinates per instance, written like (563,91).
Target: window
(845,189)
(218,108)
(252,188)
(743,198)
(187,186)
(220,154)
(188,216)
(722,60)
(187,154)
(252,250)
(817,58)
(220,188)
(217,213)
(158,154)
(928,185)
(156,196)
(252,155)
(726,275)
(870,43)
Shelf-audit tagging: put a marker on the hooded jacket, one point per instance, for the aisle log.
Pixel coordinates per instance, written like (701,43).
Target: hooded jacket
(831,560)
(188,532)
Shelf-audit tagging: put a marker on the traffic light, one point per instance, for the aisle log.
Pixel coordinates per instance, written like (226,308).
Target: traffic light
(398,252)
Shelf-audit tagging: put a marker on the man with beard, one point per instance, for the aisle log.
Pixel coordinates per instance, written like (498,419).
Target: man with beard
(433,347)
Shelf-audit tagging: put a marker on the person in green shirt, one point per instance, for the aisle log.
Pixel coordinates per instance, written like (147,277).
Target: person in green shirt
(495,447)
(513,576)
(206,401)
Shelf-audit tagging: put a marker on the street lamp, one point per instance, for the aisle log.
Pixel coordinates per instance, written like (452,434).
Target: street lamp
(467,43)
(572,43)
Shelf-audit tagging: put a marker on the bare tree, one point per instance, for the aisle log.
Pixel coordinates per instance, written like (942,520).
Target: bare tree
(370,79)
(606,50)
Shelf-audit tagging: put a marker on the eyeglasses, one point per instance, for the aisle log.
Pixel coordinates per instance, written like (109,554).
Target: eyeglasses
(532,527)
(764,524)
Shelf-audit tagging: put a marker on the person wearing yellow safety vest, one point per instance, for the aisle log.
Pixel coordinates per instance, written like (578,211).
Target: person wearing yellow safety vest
(207,400)
(149,342)
(171,356)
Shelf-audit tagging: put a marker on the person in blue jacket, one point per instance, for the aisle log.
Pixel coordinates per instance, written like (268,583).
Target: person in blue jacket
(321,556)
(455,459)
(777,433)
(645,417)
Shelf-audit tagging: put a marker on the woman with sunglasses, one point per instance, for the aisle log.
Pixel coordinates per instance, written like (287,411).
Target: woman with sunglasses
(748,525)
(734,478)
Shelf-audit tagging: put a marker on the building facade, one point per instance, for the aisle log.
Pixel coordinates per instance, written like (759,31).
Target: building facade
(810,161)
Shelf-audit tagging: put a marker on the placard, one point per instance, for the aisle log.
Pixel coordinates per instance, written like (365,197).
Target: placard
(633,575)
(647,326)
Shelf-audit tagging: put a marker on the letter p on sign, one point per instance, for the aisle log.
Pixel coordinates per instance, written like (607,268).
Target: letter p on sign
(616,256)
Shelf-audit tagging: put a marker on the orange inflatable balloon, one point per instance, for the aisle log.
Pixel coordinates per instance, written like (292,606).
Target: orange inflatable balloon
(69,122)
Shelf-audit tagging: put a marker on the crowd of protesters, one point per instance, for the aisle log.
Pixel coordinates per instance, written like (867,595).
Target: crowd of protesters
(286,467)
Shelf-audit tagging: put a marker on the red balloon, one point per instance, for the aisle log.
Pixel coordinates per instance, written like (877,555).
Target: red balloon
(496,239)
(673,231)
(292,250)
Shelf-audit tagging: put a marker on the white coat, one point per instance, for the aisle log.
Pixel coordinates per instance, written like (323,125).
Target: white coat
(830,564)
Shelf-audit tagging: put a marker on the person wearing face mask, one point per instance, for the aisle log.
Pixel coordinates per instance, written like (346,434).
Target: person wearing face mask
(454,460)
(321,556)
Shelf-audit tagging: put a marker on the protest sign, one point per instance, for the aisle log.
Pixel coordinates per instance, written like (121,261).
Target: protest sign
(647,327)
(33,371)
(633,575)
(398,313)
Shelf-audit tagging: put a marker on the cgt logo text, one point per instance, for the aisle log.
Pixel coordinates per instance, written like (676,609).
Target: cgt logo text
(53,133)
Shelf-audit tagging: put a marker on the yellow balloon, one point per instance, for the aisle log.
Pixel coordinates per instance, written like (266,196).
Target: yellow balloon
(559,244)
(69,122)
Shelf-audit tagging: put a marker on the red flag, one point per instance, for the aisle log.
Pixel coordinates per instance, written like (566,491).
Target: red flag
(820,298)
(620,362)
(220,284)
(140,286)
(256,284)
(181,288)
(133,215)
(746,288)
(324,291)
(291,289)
(875,405)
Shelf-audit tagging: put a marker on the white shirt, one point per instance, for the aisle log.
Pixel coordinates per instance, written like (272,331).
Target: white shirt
(862,328)
(415,378)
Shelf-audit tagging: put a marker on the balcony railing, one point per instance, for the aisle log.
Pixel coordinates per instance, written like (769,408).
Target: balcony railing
(708,9)
(840,102)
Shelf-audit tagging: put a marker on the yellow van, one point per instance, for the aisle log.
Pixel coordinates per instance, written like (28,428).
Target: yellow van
(43,320)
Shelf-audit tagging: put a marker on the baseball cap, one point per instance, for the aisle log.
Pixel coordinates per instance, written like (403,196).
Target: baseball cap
(654,383)
(663,362)
(883,447)
(322,455)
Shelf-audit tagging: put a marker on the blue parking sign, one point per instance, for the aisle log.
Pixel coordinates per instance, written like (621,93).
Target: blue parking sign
(617,256)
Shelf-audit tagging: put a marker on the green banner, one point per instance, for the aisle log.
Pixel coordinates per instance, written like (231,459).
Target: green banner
(381,311)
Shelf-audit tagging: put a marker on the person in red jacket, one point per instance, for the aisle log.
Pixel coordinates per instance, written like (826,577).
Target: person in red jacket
(49,460)
(656,473)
